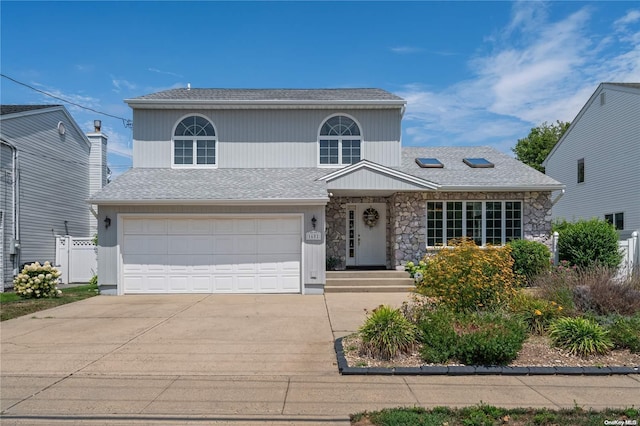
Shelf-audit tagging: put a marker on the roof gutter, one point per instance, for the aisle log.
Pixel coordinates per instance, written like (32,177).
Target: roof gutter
(146,103)
(227,202)
(485,188)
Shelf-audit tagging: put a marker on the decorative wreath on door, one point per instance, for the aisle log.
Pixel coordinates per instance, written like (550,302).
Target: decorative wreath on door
(370,217)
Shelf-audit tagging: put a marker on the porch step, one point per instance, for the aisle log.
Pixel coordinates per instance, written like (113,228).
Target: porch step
(368,282)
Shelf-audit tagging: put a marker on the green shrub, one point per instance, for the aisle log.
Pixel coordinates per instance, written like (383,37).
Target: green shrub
(437,335)
(625,332)
(536,313)
(530,258)
(467,277)
(580,336)
(37,281)
(489,339)
(386,333)
(589,242)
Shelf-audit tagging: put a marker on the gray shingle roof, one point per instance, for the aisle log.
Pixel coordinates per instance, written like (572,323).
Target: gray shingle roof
(508,172)
(197,185)
(249,95)
(633,85)
(14,109)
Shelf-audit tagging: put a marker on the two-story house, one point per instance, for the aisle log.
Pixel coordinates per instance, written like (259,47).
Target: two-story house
(598,158)
(48,170)
(252,190)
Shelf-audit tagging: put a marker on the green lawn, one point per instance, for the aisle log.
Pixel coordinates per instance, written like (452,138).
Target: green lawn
(12,306)
(488,415)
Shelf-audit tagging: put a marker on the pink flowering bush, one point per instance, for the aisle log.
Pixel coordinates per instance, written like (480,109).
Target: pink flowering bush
(37,281)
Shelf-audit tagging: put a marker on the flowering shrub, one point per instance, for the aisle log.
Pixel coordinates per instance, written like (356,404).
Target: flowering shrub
(37,281)
(536,313)
(467,277)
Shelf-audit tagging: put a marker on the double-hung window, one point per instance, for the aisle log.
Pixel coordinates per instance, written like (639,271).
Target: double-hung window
(484,222)
(194,143)
(340,141)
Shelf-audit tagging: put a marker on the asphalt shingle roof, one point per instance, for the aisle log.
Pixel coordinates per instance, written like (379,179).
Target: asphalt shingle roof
(248,95)
(147,184)
(508,172)
(14,109)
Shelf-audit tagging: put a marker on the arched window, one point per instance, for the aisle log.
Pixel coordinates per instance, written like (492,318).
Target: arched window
(194,142)
(339,141)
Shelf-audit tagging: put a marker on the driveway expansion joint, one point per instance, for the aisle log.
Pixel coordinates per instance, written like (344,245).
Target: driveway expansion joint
(470,370)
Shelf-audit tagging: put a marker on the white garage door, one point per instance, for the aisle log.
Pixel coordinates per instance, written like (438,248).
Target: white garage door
(211,255)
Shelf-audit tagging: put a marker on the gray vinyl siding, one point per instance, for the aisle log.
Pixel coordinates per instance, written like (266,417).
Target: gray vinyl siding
(53,183)
(608,138)
(6,216)
(371,180)
(266,138)
(313,251)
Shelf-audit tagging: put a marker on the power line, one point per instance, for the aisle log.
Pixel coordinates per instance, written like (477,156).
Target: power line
(125,121)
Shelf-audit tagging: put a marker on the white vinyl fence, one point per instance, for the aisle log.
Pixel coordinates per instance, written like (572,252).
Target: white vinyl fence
(76,258)
(630,248)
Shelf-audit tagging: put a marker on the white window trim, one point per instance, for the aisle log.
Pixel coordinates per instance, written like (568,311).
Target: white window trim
(340,139)
(503,220)
(194,145)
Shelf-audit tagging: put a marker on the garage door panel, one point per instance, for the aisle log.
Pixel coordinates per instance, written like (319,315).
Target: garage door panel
(178,283)
(245,244)
(223,244)
(278,244)
(201,283)
(245,226)
(156,283)
(246,283)
(155,226)
(223,283)
(208,254)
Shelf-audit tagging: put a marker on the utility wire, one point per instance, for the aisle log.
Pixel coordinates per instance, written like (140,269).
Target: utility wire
(125,121)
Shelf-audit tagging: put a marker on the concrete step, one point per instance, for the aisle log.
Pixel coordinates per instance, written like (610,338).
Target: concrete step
(369,289)
(368,282)
(363,274)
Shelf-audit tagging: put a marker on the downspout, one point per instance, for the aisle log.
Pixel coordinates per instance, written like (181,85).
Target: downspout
(553,203)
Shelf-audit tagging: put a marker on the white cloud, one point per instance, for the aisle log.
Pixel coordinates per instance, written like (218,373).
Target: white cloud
(119,84)
(164,72)
(58,96)
(538,70)
(406,49)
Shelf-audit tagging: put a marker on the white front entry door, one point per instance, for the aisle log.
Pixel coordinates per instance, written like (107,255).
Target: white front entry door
(366,234)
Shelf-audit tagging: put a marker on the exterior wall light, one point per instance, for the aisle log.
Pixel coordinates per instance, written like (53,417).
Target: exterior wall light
(313,221)
(107,222)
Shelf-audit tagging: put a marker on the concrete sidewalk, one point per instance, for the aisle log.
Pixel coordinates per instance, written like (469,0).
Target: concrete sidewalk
(234,360)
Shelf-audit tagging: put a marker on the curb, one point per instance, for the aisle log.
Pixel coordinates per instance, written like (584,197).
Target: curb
(467,370)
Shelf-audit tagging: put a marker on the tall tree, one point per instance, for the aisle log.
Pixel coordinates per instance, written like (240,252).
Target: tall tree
(533,149)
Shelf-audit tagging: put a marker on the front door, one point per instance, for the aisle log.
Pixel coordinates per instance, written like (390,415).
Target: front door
(366,234)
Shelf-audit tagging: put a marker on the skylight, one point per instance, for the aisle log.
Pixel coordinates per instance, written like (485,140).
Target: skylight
(428,163)
(478,163)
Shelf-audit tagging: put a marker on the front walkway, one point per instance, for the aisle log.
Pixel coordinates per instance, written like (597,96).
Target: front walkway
(235,360)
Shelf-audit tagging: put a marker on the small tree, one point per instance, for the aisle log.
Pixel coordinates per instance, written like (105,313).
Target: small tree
(533,149)
(587,243)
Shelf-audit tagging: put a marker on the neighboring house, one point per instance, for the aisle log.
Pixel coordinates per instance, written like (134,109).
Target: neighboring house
(251,191)
(49,168)
(598,158)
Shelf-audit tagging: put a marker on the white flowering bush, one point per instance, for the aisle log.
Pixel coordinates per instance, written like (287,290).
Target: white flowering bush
(37,281)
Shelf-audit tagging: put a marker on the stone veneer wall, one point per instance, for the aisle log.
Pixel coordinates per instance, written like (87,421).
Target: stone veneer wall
(409,211)
(336,235)
(406,219)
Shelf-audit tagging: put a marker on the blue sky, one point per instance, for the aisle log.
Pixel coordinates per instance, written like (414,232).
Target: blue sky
(473,73)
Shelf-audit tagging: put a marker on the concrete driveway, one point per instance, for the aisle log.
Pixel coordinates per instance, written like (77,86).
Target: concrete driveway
(233,359)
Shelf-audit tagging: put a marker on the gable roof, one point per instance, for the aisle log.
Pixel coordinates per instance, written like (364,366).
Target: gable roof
(215,186)
(389,174)
(508,174)
(257,97)
(15,109)
(627,87)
